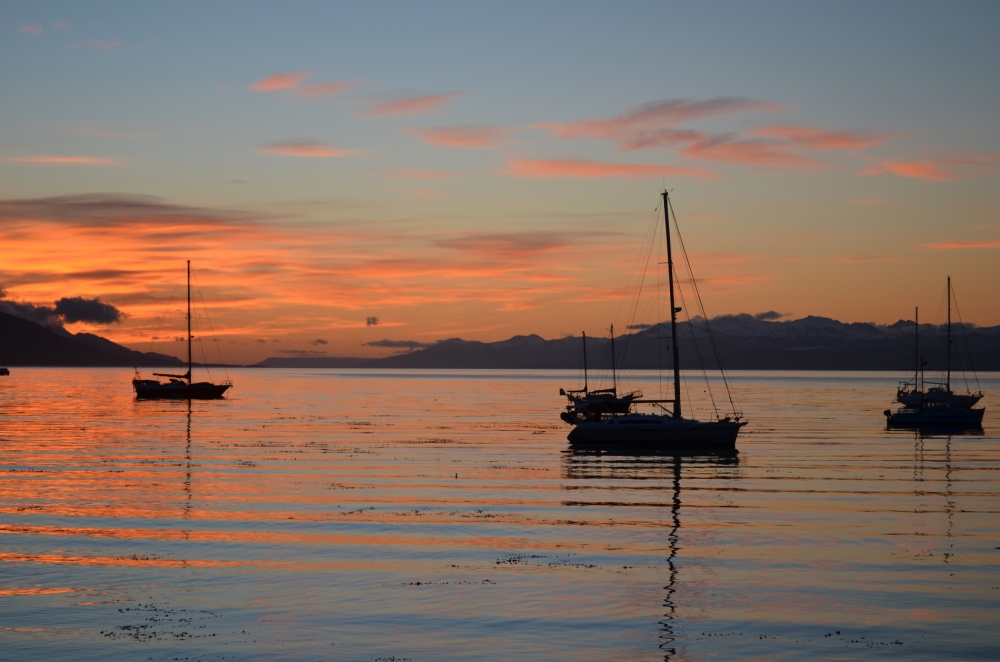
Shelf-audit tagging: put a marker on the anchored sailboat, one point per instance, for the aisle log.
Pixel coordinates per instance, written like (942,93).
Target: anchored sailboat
(605,418)
(937,405)
(180,387)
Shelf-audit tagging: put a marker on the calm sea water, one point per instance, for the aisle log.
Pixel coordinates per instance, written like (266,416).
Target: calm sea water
(344,515)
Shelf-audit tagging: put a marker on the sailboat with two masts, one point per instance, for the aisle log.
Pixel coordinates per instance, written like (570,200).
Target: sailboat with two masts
(179,387)
(934,403)
(668,431)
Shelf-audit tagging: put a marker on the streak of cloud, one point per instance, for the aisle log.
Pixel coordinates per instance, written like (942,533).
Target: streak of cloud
(308,149)
(462,136)
(570,168)
(418,173)
(410,105)
(282,81)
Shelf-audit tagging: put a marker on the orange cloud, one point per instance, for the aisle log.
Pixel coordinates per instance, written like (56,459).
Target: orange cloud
(308,149)
(462,136)
(284,81)
(821,140)
(583,169)
(947,167)
(418,173)
(957,245)
(30,29)
(64,160)
(410,105)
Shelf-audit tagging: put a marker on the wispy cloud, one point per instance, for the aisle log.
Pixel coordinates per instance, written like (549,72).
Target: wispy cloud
(462,136)
(324,90)
(30,28)
(570,168)
(418,173)
(760,153)
(939,167)
(63,160)
(962,245)
(823,140)
(636,127)
(62,25)
(409,105)
(308,149)
(282,81)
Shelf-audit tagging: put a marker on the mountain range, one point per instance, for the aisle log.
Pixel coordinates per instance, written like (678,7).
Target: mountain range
(741,342)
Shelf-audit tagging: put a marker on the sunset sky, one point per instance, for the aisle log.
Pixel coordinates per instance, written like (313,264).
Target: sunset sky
(481,170)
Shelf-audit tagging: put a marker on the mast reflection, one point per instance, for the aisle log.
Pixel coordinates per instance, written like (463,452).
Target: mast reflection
(623,463)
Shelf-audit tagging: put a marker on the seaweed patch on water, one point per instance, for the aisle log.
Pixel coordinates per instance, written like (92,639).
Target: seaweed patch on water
(162,624)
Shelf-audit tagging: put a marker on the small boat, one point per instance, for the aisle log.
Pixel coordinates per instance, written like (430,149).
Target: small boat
(936,406)
(179,387)
(619,423)
(587,405)
(4,371)
(913,394)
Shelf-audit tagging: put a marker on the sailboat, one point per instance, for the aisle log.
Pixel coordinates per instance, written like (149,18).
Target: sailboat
(179,387)
(586,405)
(938,405)
(664,431)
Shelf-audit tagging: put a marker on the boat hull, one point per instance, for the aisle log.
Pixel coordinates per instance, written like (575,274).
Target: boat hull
(153,390)
(659,432)
(936,417)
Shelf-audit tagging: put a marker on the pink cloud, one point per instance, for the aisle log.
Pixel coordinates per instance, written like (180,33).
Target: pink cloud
(64,160)
(724,149)
(943,168)
(410,105)
(418,173)
(462,136)
(283,81)
(958,245)
(308,149)
(822,140)
(648,119)
(584,169)
(29,28)
(324,90)
(62,25)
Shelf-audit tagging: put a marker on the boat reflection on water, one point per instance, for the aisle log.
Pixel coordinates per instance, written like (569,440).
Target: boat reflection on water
(936,432)
(618,462)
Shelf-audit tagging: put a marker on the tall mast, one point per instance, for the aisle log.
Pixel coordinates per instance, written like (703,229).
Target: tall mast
(948,379)
(189,320)
(585,387)
(673,310)
(916,347)
(614,379)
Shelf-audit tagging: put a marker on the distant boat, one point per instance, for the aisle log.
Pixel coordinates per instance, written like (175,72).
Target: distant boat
(606,419)
(180,387)
(4,371)
(938,405)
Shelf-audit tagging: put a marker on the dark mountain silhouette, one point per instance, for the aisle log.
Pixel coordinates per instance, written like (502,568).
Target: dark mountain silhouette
(24,343)
(744,342)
